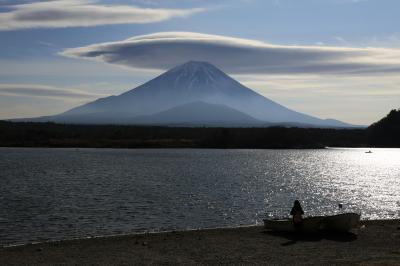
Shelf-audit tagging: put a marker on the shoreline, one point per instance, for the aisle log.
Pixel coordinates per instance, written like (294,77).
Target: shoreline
(376,242)
(366,221)
(192,148)
(125,235)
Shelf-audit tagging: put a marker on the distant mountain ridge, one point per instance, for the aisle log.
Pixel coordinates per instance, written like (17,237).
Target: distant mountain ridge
(192,93)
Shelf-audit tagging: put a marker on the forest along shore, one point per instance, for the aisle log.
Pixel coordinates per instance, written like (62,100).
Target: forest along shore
(118,136)
(376,242)
(383,133)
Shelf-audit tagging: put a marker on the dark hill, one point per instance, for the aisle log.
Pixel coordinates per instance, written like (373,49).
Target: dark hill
(386,132)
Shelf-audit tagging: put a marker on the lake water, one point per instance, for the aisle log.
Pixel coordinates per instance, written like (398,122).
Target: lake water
(49,194)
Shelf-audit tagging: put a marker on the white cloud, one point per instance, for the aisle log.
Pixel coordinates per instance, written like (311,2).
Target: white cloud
(44,91)
(241,56)
(83,13)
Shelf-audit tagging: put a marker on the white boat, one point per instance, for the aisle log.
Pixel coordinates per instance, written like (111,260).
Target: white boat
(342,222)
(309,225)
(339,223)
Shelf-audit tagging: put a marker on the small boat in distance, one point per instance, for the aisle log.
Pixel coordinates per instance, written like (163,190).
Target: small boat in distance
(368,152)
(339,223)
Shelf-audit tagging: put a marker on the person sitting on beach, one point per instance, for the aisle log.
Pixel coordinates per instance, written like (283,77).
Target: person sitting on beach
(297,213)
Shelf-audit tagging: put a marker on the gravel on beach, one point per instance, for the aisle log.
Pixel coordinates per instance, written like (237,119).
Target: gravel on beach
(374,243)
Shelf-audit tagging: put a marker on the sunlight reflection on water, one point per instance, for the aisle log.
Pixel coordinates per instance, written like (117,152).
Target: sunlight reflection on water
(65,193)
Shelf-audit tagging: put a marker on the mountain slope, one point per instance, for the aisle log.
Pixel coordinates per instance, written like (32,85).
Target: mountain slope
(199,113)
(187,83)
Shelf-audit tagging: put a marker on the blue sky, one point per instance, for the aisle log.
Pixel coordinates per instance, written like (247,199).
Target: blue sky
(348,66)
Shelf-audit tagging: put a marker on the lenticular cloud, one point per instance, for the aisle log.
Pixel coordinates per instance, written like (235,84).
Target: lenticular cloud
(82,13)
(239,56)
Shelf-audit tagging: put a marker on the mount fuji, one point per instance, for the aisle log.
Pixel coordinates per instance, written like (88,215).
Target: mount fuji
(193,94)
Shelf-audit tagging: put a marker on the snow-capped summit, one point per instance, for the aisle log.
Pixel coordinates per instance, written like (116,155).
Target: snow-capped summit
(182,85)
(196,74)
(194,79)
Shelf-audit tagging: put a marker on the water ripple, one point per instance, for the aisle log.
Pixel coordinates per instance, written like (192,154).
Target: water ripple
(49,194)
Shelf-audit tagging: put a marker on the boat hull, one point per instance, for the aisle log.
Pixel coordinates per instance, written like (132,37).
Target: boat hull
(339,223)
(309,225)
(342,222)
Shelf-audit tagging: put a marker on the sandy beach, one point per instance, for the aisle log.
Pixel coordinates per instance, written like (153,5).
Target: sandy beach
(375,243)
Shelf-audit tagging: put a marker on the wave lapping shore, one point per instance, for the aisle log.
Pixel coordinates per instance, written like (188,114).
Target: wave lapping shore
(377,242)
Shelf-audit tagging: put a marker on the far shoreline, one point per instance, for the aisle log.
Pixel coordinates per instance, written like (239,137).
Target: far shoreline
(24,134)
(190,148)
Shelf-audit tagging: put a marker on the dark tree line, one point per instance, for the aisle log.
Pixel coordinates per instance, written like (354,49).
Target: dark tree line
(59,135)
(384,133)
